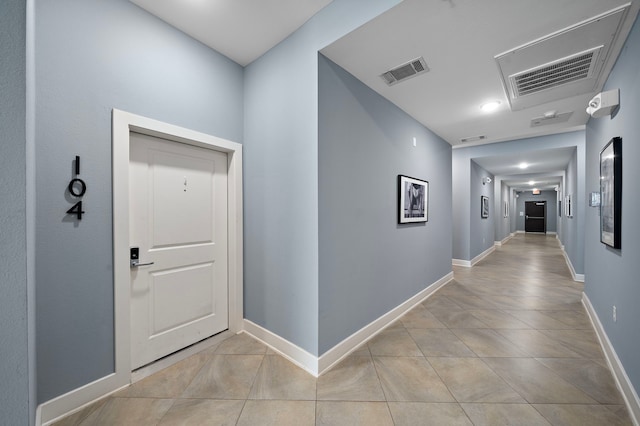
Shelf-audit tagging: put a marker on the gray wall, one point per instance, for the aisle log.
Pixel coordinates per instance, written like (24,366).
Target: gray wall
(462,179)
(552,208)
(281,174)
(513,201)
(461,202)
(560,195)
(16,352)
(368,263)
(92,57)
(572,234)
(612,275)
(482,229)
(503,224)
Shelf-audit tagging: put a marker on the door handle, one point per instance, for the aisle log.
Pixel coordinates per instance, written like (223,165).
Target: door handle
(135,263)
(134,258)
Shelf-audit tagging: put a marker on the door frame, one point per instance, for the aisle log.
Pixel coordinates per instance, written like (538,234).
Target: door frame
(122,124)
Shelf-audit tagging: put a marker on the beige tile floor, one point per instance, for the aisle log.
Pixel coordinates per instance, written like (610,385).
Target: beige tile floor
(506,343)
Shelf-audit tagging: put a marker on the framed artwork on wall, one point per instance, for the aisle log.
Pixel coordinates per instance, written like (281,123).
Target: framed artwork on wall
(611,193)
(484,206)
(413,200)
(567,206)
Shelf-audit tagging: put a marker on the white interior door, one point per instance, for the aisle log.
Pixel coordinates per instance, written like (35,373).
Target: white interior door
(178,219)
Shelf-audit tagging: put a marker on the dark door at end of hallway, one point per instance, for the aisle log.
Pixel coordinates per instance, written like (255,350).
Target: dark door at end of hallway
(535,216)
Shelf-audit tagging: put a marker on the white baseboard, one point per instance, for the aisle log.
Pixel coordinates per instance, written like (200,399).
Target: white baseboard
(292,352)
(520,232)
(504,240)
(460,262)
(71,402)
(351,343)
(576,277)
(552,233)
(482,255)
(619,374)
(318,365)
(77,399)
(472,262)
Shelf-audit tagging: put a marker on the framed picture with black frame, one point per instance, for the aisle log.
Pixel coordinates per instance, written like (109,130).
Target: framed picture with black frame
(484,206)
(413,200)
(611,193)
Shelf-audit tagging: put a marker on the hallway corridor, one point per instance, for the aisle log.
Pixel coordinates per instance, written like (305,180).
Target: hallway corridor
(506,342)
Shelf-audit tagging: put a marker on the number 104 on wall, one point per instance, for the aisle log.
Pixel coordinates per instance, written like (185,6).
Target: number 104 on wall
(77,188)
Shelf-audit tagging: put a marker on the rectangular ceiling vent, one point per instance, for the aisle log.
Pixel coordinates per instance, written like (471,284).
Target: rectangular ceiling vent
(566,70)
(473,139)
(405,71)
(570,62)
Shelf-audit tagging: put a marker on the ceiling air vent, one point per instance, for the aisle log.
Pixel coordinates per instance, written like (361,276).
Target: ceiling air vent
(570,62)
(554,74)
(473,139)
(405,71)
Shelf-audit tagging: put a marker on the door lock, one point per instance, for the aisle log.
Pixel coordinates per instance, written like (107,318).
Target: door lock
(134,258)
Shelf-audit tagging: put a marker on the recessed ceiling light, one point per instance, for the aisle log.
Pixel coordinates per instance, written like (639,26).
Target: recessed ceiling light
(523,165)
(490,106)
(531,182)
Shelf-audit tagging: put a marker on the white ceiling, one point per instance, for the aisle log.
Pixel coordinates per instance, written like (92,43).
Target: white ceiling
(544,167)
(242,30)
(459,40)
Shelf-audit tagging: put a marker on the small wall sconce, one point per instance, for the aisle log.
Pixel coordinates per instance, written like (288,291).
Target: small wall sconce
(486,180)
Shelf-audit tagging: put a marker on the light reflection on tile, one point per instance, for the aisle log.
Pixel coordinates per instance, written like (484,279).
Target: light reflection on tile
(196,412)
(131,412)
(428,414)
(278,378)
(354,379)
(535,382)
(225,377)
(570,415)
(471,380)
(278,413)
(394,342)
(440,342)
(410,379)
(332,413)
(589,376)
(488,343)
(504,414)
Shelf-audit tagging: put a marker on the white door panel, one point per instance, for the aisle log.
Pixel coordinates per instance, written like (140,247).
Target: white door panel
(182,201)
(178,219)
(195,293)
